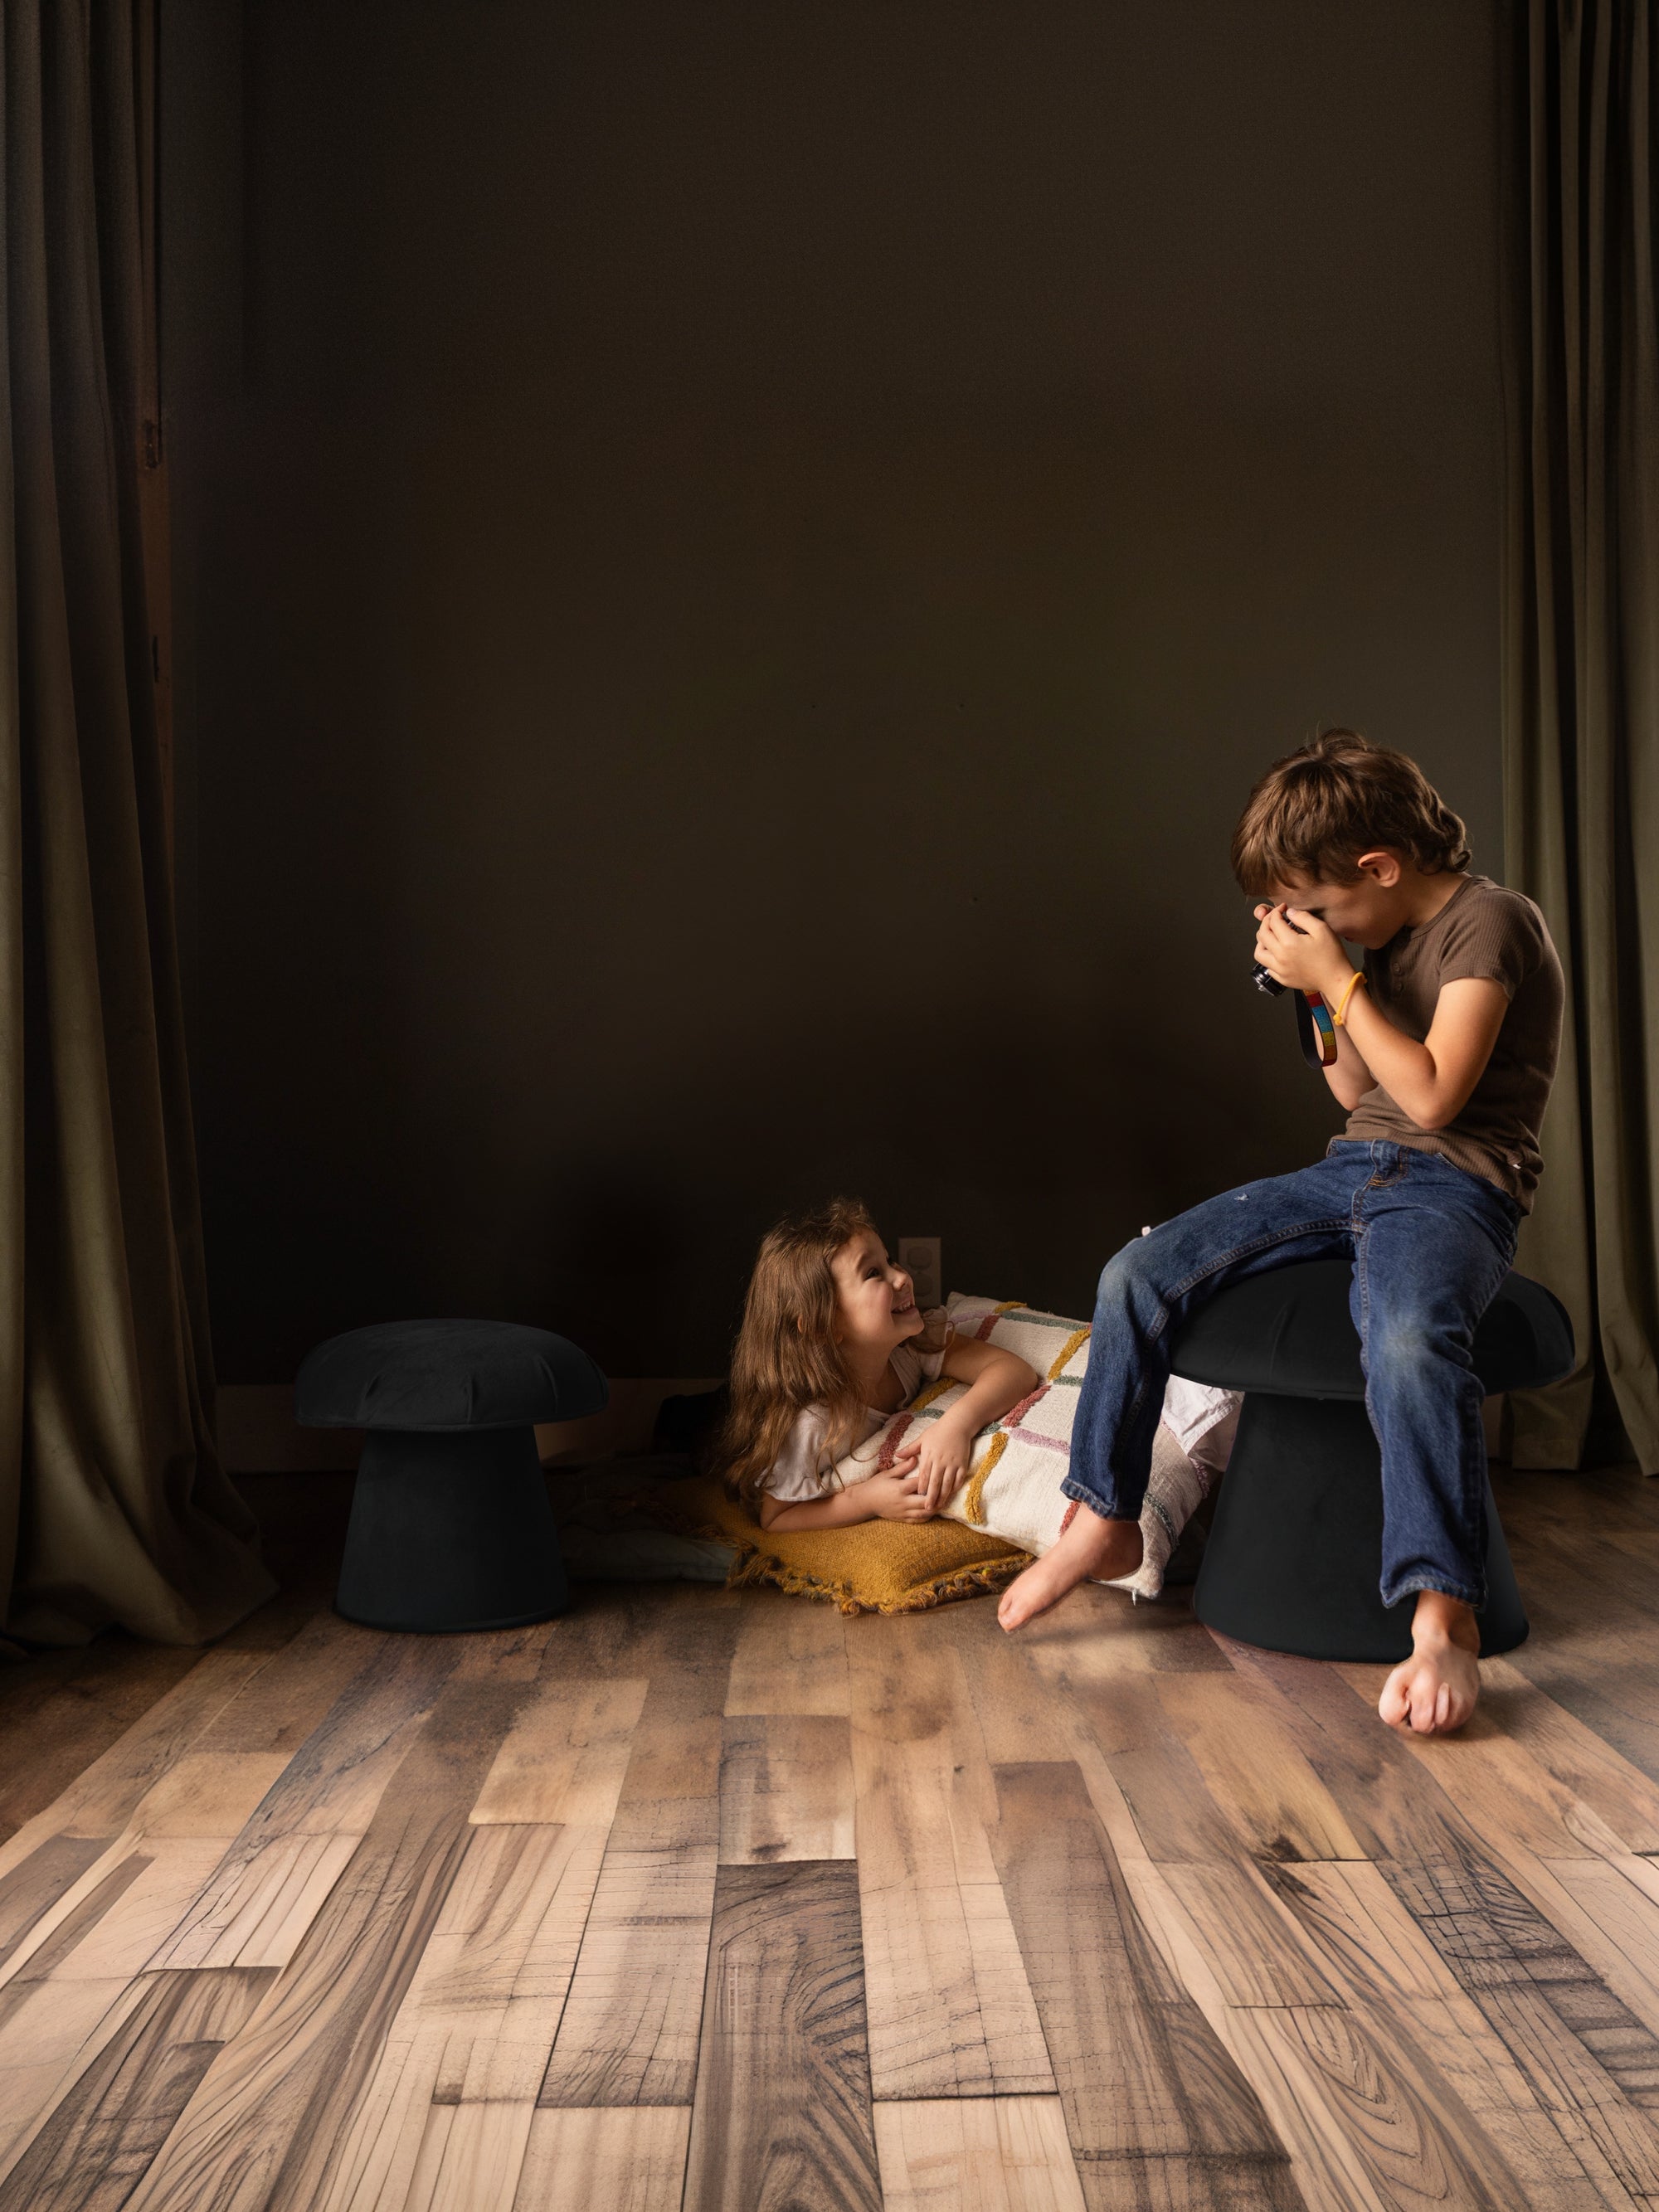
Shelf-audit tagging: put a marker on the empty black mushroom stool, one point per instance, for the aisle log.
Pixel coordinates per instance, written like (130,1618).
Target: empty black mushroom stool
(451,1523)
(1295,1553)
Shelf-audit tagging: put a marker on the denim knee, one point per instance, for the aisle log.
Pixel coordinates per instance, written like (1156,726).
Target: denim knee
(1129,1272)
(1399,1349)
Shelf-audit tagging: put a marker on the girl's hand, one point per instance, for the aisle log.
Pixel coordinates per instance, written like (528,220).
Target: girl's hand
(943,1451)
(1300,951)
(895,1498)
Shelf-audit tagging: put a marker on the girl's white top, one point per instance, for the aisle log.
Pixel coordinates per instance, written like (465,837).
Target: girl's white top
(800,1471)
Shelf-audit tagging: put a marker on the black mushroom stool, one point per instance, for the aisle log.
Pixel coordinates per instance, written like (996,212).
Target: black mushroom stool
(450,1526)
(1295,1552)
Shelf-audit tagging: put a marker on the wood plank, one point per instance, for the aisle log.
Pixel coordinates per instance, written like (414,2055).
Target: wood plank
(48,2037)
(1255,1770)
(1536,1828)
(1589,1770)
(102,2137)
(65,1709)
(257,1915)
(278,1870)
(1154,1799)
(1070,1733)
(1144,2081)
(1511,1805)
(600,2159)
(132,1895)
(509,1655)
(1592,1649)
(1377,1954)
(678,1739)
(628,2033)
(977,2154)
(1178,1825)
(1254,1949)
(130,1913)
(262,2129)
(208,1793)
(1412,2145)
(785,1789)
(1597,1531)
(1497,1942)
(294,1695)
(99,1801)
(781,2116)
(57,1937)
(1622,1897)
(1555,2015)
(791,1657)
(1359,2133)
(475,2027)
(951,2010)
(36,1884)
(1495,1781)
(567,1754)
(1018,1715)
(1587,2105)
(614,1629)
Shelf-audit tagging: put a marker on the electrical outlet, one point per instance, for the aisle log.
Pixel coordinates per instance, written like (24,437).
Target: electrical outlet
(919,1257)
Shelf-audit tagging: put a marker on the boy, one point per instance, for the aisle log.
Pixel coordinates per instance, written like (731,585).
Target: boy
(1447,1043)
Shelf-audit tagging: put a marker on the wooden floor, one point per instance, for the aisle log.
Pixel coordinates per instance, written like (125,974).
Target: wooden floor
(715,1899)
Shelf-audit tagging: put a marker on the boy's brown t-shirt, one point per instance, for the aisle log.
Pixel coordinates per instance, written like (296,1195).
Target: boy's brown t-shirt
(1488,932)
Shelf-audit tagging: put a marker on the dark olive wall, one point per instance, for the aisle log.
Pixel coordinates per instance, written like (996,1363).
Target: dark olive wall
(736,565)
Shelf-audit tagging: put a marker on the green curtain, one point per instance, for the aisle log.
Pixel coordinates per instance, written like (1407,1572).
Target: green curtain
(1581,676)
(114,1507)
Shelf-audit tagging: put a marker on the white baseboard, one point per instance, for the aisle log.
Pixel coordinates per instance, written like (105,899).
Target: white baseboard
(259,1434)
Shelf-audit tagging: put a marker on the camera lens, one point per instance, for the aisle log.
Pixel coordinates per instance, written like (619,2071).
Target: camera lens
(1268,985)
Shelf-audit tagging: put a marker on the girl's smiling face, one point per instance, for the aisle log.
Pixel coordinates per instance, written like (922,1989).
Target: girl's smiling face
(876,1309)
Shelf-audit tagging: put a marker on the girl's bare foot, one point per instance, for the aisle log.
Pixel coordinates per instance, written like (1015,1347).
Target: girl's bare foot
(1434,1691)
(1090,1548)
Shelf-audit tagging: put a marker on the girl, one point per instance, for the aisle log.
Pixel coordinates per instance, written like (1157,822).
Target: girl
(832,1343)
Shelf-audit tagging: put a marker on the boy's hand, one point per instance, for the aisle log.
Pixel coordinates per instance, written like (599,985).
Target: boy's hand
(896,1498)
(944,1450)
(1300,951)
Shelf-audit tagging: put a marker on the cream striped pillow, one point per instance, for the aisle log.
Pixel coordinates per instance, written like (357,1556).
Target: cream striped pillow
(1019,1462)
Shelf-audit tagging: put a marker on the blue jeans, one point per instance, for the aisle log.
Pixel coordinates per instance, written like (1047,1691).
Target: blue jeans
(1431,1246)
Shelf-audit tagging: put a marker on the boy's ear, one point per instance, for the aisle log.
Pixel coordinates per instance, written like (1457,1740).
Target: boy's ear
(1381,865)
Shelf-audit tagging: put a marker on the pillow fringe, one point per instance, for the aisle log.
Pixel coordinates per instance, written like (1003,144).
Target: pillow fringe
(753,1565)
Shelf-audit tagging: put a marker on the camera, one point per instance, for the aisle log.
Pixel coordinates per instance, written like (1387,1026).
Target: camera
(1259,975)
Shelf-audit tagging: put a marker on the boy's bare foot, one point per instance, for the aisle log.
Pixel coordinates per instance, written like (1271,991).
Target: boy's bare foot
(1434,1691)
(1090,1548)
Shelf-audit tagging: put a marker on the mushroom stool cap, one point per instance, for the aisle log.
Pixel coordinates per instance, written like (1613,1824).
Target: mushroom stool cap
(447,1376)
(1289,1333)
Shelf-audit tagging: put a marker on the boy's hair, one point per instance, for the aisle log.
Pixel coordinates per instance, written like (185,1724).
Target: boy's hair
(1317,810)
(785,1357)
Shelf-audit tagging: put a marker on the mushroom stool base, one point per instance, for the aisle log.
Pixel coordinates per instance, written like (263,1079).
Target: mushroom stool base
(1295,1552)
(451,1532)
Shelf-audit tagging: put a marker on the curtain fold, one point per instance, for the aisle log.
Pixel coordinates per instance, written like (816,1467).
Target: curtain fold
(114,1506)
(1581,676)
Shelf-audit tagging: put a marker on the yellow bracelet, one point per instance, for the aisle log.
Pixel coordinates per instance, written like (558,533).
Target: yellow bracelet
(1357,976)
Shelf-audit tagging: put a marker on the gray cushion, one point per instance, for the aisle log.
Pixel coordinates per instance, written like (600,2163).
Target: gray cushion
(445,1375)
(1289,1333)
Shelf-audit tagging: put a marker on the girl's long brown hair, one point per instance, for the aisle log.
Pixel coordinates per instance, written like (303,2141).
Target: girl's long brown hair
(785,1357)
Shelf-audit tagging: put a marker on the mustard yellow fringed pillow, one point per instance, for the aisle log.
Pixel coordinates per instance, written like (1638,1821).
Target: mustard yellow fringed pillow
(875,1566)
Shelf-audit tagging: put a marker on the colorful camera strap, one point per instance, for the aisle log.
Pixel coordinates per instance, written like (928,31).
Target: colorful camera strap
(1315,1030)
